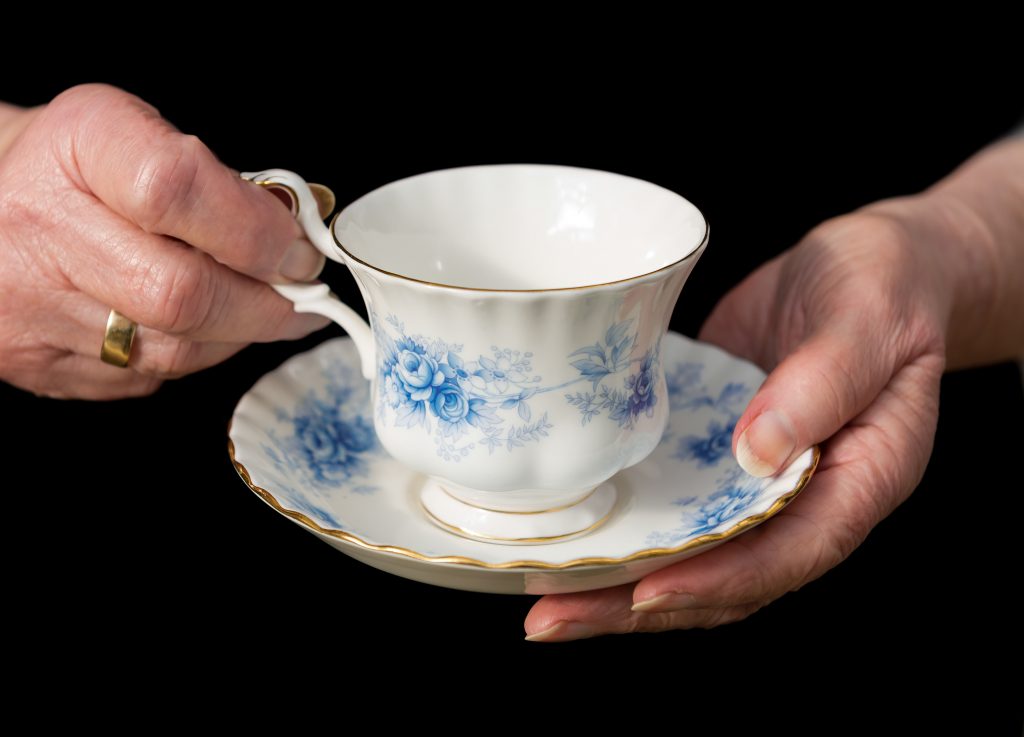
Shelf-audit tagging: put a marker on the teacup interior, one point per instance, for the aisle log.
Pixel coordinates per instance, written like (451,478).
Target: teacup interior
(520,227)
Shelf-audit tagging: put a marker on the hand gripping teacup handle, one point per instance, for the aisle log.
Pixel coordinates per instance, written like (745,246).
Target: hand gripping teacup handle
(317,297)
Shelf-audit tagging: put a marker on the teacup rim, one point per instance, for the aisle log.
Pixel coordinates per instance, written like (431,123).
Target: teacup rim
(692,253)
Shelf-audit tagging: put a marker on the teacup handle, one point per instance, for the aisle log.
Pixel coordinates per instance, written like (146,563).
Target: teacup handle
(318,297)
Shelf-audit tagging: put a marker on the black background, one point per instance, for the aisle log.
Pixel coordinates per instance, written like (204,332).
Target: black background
(134,528)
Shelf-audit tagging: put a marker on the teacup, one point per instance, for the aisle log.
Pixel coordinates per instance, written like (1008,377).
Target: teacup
(516,319)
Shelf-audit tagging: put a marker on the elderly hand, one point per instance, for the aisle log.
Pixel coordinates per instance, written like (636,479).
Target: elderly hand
(855,324)
(104,205)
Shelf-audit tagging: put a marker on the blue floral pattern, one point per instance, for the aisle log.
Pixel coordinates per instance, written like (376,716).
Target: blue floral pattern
(735,494)
(636,397)
(427,383)
(331,441)
(686,392)
(303,434)
(710,448)
(735,491)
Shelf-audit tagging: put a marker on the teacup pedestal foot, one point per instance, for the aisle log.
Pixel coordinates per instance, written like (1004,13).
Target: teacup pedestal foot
(506,522)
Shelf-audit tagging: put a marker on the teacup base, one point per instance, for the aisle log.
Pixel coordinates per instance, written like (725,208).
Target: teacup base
(565,522)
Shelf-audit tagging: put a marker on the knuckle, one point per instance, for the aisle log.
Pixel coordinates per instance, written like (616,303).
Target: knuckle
(95,110)
(178,298)
(869,258)
(852,255)
(89,94)
(164,183)
(260,238)
(851,234)
(168,359)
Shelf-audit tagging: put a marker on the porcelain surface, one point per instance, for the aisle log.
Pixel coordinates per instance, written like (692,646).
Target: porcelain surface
(516,319)
(303,439)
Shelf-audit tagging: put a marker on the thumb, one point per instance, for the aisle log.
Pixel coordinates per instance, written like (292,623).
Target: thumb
(832,377)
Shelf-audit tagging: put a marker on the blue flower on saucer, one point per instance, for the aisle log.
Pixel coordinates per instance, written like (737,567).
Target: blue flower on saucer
(710,448)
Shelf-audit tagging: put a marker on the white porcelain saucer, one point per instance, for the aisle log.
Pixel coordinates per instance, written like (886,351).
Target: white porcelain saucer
(302,438)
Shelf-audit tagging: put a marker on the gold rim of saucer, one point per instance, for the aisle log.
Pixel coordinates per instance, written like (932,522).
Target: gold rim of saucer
(696,542)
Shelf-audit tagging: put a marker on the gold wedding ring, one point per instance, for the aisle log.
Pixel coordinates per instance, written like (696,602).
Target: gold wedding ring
(117,340)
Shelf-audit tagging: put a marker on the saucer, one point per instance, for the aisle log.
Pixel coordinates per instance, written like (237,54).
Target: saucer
(302,438)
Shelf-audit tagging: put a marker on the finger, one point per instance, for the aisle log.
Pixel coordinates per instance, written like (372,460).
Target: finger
(558,617)
(72,376)
(80,330)
(172,184)
(866,471)
(799,544)
(817,389)
(167,357)
(169,286)
(153,353)
(564,617)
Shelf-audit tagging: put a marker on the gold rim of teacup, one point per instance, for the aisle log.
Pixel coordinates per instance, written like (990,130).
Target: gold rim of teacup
(693,253)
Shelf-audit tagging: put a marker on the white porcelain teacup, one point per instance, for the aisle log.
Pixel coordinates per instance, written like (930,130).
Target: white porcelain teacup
(517,314)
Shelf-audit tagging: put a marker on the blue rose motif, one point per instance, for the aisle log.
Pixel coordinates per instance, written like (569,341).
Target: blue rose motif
(640,397)
(708,449)
(450,403)
(320,442)
(724,505)
(357,435)
(418,374)
(456,411)
(424,378)
(331,447)
(451,406)
(641,385)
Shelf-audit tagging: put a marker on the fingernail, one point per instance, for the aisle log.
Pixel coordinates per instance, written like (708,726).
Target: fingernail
(562,632)
(670,602)
(766,444)
(301,262)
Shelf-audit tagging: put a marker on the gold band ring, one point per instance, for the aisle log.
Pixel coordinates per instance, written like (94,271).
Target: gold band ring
(117,340)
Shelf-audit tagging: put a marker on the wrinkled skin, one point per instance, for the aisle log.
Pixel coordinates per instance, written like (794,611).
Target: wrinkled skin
(855,325)
(103,205)
(850,323)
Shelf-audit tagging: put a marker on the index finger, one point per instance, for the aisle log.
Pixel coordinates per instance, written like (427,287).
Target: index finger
(171,184)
